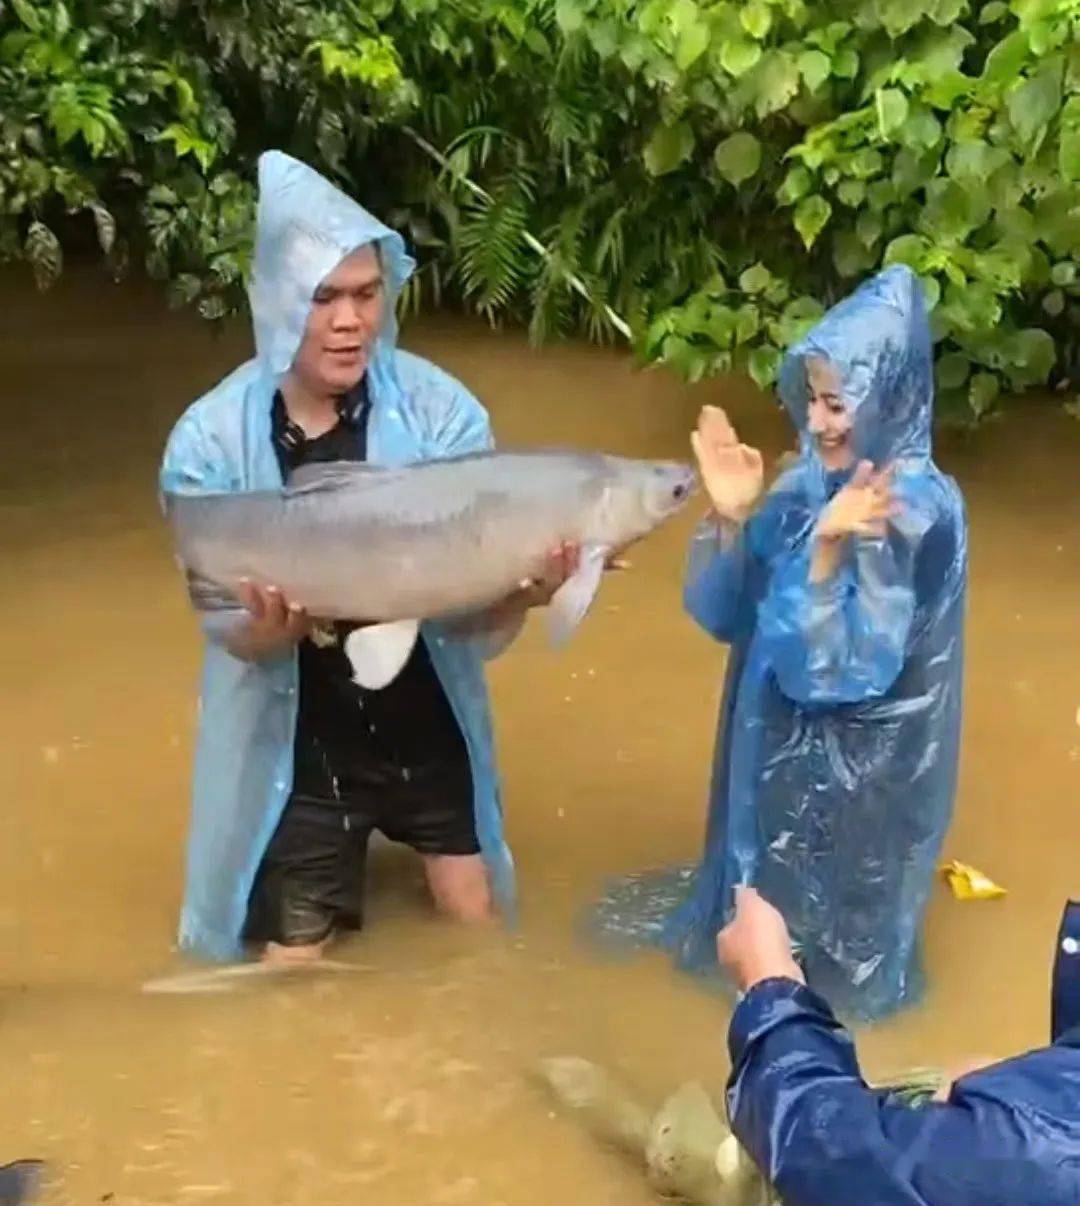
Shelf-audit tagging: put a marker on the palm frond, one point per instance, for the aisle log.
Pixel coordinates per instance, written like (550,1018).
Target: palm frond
(551,304)
(472,147)
(598,324)
(411,297)
(493,259)
(564,120)
(610,250)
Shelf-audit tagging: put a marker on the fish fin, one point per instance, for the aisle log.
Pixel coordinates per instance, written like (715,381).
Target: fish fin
(378,653)
(572,600)
(335,475)
(208,595)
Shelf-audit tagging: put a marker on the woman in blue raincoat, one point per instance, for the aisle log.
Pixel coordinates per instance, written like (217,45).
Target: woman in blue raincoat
(325,281)
(841,596)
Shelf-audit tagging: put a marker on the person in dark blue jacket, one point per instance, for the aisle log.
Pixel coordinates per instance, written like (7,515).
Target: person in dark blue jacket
(1006,1135)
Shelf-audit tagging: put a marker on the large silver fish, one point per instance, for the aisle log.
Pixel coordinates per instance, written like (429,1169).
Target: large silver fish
(443,539)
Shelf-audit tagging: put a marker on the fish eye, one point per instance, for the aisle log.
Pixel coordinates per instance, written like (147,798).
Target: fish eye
(679,491)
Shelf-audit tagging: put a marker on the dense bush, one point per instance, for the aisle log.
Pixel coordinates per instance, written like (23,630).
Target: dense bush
(714,173)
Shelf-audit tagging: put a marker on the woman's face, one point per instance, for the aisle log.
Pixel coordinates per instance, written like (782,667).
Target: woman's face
(828,418)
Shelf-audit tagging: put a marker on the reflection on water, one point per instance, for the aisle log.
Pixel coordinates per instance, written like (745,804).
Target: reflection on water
(408,1079)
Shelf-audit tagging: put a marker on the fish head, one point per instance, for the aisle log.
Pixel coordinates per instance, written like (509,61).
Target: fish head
(641,495)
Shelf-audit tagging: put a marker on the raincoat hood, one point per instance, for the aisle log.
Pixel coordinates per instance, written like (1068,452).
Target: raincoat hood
(304,228)
(878,339)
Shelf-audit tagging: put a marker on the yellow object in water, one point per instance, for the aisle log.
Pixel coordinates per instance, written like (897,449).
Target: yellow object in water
(968,883)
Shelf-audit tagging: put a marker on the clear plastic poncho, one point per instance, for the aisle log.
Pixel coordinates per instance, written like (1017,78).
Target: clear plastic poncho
(835,766)
(247,711)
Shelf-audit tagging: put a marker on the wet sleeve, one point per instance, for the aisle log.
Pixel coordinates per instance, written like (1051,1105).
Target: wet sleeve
(844,640)
(799,1105)
(715,586)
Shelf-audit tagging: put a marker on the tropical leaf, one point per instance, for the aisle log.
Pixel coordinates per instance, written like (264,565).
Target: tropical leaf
(493,256)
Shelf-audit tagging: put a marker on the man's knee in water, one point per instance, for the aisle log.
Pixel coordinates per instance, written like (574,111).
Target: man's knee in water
(459,886)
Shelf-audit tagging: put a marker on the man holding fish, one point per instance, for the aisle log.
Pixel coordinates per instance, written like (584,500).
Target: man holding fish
(348,615)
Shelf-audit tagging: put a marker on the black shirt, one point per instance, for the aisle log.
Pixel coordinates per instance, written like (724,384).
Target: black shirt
(347,735)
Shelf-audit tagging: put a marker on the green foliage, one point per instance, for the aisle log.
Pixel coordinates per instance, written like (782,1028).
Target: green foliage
(725,326)
(124,114)
(738,157)
(716,171)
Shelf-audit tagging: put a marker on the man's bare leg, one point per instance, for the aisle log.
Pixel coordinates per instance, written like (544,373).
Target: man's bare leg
(459,886)
(294,956)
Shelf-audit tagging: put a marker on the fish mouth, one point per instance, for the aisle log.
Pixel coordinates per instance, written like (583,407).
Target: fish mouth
(675,487)
(685,486)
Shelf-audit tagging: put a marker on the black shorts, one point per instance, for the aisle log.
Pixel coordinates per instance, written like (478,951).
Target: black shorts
(311,879)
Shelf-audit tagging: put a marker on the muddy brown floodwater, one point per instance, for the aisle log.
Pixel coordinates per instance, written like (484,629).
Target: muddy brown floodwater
(408,1081)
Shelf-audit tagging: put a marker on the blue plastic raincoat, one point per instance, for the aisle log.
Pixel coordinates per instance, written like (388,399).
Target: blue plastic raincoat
(837,754)
(1009,1135)
(247,714)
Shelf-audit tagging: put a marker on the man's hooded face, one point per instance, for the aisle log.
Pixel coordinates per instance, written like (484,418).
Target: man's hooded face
(346,316)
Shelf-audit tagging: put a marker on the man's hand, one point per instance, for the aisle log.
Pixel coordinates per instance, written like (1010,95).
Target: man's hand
(538,591)
(732,473)
(561,563)
(756,945)
(272,627)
